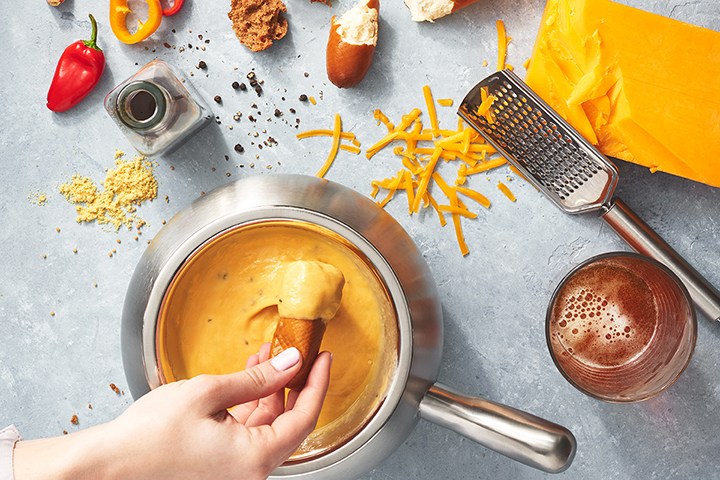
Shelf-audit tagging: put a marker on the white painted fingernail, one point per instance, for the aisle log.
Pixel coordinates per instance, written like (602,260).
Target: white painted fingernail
(287,359)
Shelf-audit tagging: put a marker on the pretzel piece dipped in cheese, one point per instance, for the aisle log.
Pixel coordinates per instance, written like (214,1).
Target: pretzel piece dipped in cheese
(310,295)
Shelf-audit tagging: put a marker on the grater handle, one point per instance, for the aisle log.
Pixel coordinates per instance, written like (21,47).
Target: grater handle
(646,242)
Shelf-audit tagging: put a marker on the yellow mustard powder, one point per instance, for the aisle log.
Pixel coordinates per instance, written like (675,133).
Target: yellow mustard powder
(127,185)
(38,198)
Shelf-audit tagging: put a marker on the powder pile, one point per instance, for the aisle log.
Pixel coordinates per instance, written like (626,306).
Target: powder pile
(38,198)
(126,186)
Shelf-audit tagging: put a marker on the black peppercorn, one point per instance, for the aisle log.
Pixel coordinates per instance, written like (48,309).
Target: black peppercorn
(218,99)
(202,65)
(243,87)
(258,90)
(277,112)
(239,148)
(303,98)
(235,85)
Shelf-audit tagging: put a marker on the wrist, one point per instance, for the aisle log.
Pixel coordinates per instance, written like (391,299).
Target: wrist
(78,456)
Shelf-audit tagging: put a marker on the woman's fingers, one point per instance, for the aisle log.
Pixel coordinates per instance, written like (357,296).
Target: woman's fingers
(242,412)
(268,408)
(300,418)
(220,392)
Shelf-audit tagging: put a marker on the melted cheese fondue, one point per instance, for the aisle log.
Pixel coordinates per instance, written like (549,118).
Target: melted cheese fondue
(222,305)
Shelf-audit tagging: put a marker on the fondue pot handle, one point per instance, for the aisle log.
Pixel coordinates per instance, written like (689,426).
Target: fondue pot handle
(513,433)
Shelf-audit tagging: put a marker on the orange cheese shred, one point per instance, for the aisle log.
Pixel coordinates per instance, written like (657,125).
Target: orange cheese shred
(391,189)
(454,202)
(457,211)
(412,141)
(481,199)
(502,44)
(489,165)
(326,133)
(350,148)
(437,209)
(408,119)
(410,191)
(426,174)
(430,103)
(337,128)
(503,188)
(337,135)
(445,102)
(312,100)
(484,107)
(380,117)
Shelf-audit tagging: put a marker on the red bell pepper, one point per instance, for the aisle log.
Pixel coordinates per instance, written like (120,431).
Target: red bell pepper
(78,71)
(174,9)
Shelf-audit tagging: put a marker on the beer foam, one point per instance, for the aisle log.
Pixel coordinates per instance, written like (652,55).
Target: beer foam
(604,316)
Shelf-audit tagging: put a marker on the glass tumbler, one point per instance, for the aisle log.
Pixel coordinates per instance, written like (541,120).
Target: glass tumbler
(621,327)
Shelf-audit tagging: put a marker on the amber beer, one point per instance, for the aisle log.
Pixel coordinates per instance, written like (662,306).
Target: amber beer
(620,327)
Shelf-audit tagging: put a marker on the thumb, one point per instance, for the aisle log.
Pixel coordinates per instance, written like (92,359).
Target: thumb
(254,383)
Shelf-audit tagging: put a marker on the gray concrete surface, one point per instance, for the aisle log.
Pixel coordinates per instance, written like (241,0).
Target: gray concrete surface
(55,366)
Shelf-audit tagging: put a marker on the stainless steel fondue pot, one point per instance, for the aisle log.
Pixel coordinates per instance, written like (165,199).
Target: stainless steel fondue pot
(413,392)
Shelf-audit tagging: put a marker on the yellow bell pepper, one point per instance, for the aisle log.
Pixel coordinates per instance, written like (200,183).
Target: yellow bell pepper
(119,10)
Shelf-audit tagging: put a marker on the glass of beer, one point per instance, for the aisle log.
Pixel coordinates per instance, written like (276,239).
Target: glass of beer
(621,327)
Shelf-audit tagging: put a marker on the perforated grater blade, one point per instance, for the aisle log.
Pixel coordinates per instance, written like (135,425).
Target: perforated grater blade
(555,158)
(541,144)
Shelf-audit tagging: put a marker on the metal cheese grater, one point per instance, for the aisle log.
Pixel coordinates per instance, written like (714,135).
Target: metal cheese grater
(557,160)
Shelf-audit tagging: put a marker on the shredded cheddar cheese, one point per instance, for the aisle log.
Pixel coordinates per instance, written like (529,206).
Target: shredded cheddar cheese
(445,102)
(502,44)
(430,103)
(337,135)
(503,188)
(420,156)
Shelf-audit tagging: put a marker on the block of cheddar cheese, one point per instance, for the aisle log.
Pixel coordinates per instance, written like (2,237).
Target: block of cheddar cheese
(641,87)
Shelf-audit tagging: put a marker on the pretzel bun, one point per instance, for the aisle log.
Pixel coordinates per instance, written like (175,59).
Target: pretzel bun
(351,45)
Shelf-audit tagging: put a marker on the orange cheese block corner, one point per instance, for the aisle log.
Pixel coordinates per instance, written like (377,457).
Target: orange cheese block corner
(641,87)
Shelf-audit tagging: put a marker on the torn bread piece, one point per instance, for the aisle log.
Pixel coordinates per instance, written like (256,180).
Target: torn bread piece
(257,23)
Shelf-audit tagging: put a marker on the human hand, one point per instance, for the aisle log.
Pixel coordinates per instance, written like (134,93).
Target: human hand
(184,430)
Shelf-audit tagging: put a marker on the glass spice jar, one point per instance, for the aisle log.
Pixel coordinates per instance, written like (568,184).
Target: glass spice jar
(156,111)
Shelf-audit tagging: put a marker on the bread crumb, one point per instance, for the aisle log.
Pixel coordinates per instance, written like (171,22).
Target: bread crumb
(74,420)
(114,388)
